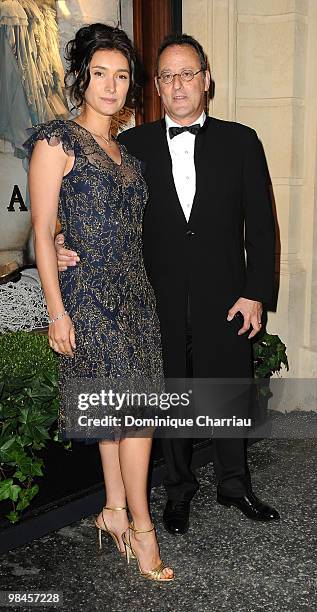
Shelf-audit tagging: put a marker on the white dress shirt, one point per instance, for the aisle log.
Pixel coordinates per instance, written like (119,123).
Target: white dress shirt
(181,149)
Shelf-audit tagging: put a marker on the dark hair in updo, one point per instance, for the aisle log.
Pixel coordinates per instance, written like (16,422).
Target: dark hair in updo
(79,51)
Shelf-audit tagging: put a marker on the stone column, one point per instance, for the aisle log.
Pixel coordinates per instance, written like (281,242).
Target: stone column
(308,350)
(271,80)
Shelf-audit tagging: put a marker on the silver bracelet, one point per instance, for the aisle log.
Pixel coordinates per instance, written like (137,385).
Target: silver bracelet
(60,316)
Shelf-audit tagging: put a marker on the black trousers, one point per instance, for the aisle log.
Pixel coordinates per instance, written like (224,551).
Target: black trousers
(229,456)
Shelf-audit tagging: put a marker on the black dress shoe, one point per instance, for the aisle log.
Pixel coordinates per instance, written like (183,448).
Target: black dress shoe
(176,517)
(251,506)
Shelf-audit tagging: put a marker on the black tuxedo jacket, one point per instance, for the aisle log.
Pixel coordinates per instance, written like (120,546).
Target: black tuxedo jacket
(204,259)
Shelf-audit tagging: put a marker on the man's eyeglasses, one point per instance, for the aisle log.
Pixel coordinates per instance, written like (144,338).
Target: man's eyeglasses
(185,75)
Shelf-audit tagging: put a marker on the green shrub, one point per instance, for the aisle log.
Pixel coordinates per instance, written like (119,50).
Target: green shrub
(26,353)
(269,355)
(28,415)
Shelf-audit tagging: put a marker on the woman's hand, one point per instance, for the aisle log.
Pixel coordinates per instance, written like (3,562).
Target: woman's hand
(61,336)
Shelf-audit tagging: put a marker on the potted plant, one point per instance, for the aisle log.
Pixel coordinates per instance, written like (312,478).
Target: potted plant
(269,357)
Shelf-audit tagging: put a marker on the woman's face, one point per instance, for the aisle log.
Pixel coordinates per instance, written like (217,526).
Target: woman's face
(109,81)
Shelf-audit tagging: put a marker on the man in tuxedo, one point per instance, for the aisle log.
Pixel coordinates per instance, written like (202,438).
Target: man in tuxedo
(209,202)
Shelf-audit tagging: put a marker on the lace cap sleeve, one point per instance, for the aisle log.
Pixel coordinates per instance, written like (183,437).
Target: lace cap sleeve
(55,132)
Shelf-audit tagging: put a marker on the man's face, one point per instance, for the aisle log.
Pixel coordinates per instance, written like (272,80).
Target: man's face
(183,100)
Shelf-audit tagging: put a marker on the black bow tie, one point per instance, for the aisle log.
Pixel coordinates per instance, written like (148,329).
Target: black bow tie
(175,130)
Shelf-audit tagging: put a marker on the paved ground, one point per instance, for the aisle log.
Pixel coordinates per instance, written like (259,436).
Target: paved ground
(225,562)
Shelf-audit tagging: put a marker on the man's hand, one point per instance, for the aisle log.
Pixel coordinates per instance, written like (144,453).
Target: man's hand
(65,257)
(252,313)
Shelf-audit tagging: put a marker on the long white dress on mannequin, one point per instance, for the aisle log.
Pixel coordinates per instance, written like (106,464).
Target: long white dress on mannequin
(15,21)
(44,32)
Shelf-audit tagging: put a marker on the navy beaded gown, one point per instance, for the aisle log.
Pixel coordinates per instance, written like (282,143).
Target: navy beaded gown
(108,295)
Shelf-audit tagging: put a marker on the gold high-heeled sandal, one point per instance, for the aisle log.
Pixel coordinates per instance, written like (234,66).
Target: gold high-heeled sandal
(157,573)
(108,532)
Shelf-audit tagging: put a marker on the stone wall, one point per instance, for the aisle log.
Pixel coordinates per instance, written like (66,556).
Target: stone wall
(263,60)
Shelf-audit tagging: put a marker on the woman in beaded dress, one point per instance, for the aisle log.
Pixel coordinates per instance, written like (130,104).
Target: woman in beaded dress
(103,320)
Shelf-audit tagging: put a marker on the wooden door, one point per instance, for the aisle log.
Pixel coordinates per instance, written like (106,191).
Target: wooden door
(152,21)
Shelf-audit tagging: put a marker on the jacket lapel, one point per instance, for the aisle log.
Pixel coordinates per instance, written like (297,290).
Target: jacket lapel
(198,161)
(166,171)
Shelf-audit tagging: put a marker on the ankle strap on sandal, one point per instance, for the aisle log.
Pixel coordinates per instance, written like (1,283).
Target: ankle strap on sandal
(131,526)
(109,508)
